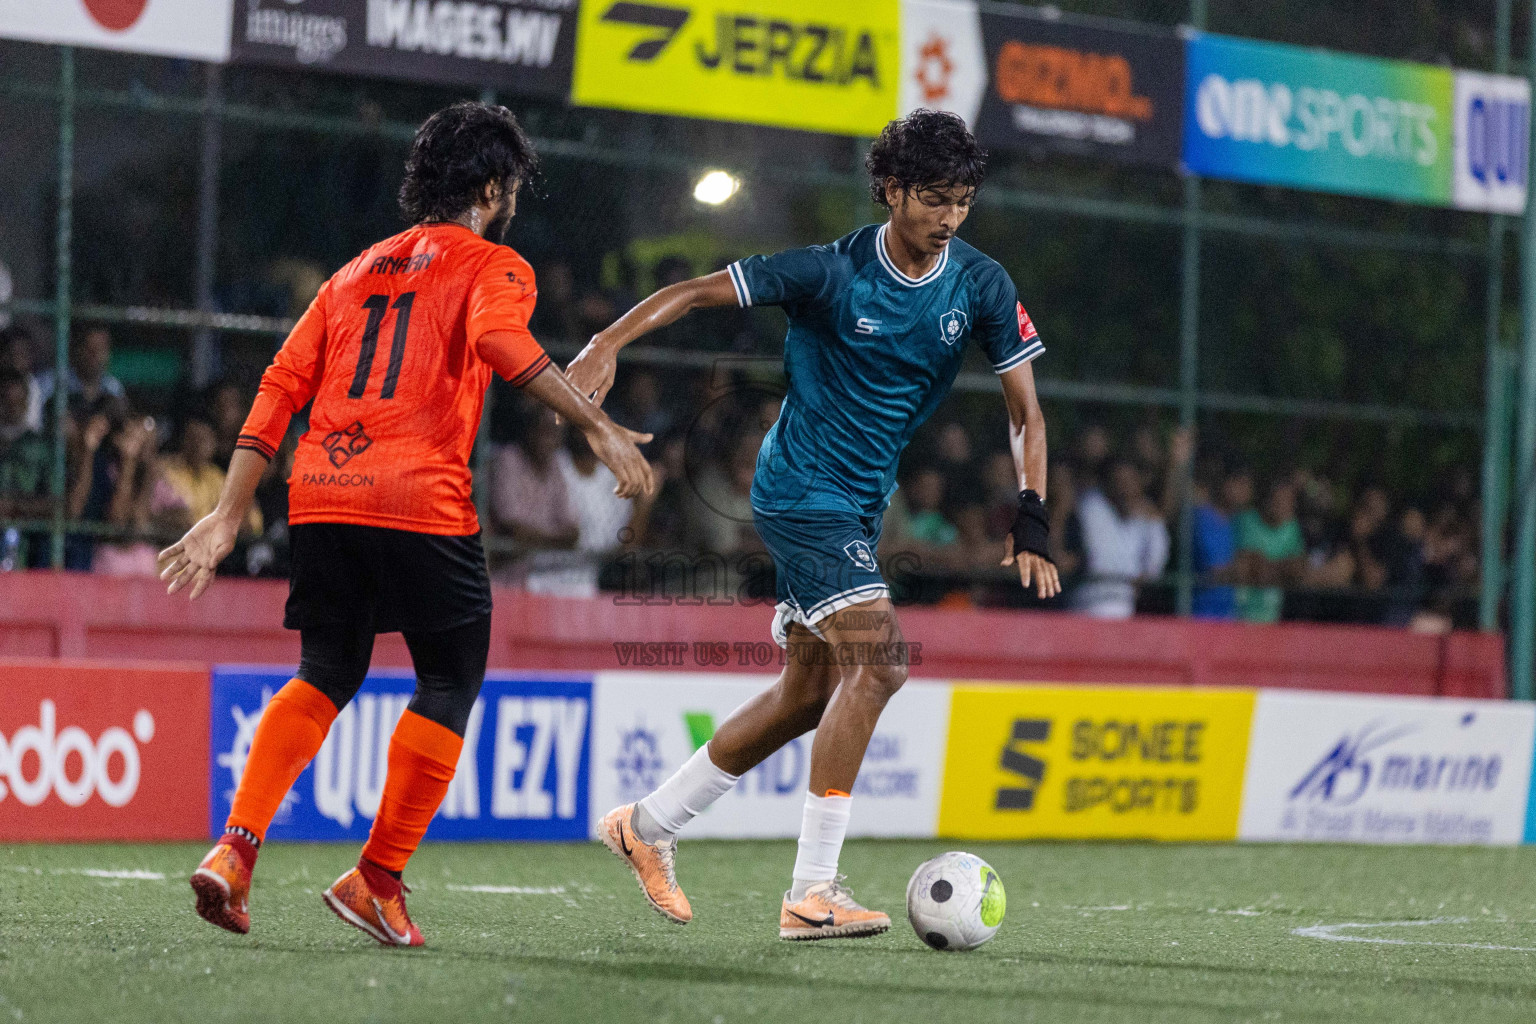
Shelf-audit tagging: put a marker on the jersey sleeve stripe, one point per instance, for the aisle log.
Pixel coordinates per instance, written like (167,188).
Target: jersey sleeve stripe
(1019,359)
(739,281)
(256,444)
(534,369)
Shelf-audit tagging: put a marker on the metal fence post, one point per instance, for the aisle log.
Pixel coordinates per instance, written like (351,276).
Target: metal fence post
(63,234)
(205,342)
(1495,409)
(1522,605)
(1189,365)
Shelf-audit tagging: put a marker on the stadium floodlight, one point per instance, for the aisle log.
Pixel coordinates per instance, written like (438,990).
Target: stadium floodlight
(716,187)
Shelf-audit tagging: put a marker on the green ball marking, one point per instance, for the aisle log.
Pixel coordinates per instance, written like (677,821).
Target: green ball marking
(994,902)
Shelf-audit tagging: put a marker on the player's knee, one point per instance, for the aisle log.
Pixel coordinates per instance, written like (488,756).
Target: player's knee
(878,681)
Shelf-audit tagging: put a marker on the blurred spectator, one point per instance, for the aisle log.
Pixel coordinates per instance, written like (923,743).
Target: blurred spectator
(26,461)
(1214,548)
(1400,549)
(1066,531)
(720,512)
(925,502)
(227,408)
(555,318)
(1000,483)
(89,389)
(17,352)
(193,480)
(1091,452)
(268,555)
(955,460)
(135,488)
(641,408)
(667,527)
(1271,553)
(529,500)
(1125,542)
(605,521)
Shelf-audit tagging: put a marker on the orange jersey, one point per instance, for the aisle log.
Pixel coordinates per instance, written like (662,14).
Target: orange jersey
(397,350)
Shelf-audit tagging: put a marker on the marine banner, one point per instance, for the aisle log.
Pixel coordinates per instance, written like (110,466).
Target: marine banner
(521,47)
(1090,762)
(1031,80)
(1334,122)
(648,724)
(524,772)
(1363,769)
(788,63)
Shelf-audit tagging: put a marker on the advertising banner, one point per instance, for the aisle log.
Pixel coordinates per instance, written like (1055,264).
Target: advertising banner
(1357,769)
(524,773)
(1493,142)
(1032,82)
(100,752)
(518,46)
(787,63)
(1094,763)
(1285,115)
(198,29)
(648,724)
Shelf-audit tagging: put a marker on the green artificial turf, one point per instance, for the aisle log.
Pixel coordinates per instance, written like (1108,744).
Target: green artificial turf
(1100,932)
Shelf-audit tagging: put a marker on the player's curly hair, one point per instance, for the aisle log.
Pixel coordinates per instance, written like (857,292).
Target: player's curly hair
(456,153)
(925,149)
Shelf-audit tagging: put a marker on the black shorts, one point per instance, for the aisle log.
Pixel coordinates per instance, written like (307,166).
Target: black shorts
(386,581)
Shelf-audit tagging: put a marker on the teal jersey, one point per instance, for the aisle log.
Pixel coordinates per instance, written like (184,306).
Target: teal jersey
(869,355)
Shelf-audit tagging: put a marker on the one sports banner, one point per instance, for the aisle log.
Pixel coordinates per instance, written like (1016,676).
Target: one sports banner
(649,723)
(198,29)
(1094,762)
(1366,769)
(801,64)
(517,46)
(1031,80)
(524,772)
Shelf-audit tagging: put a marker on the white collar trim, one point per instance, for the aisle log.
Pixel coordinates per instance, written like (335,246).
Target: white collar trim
(890,265)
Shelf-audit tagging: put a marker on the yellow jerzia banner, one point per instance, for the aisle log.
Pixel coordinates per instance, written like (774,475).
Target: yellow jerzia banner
(809,64)
(1094,763)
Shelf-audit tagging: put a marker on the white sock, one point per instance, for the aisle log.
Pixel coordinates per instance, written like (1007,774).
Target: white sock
(683,797)
(821,840)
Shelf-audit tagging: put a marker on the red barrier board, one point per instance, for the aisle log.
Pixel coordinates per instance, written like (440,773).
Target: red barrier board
(97,751)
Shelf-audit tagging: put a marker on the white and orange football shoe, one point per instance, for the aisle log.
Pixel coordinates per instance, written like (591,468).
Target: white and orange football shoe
(652,863)
(828,912)
(222,883)
(352,899)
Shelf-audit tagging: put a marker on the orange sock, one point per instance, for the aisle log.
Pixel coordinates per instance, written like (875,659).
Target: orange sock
(422,759)
(288,737)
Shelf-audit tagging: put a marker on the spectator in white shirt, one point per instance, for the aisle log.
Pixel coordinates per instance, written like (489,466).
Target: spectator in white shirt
(1125,542)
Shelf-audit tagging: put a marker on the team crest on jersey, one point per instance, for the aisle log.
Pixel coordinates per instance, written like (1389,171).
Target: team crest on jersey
(952,325)
(862,556)
(343,445)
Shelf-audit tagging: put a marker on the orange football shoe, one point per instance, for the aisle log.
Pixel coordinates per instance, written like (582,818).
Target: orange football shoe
(352,900)
(223,886)
(652,863)
(828,912)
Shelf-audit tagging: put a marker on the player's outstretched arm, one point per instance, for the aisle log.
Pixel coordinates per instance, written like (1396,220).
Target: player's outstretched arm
(591,372)
(613,444)
(193,559)
(1027,545)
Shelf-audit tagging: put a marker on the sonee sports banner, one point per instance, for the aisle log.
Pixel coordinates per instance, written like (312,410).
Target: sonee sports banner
(517,46)
(788,63)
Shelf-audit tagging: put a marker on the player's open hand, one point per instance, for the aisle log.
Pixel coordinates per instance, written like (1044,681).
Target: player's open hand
(1033,569)
(193,559)
(591,372)
(617,447)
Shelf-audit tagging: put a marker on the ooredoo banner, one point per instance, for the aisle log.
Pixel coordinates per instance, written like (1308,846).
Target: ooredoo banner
(1094,762)
(829,67)
(523,773)
(519,46)
(1030,79)
(648,724)
(198,29)
(98,752)
(1363,769)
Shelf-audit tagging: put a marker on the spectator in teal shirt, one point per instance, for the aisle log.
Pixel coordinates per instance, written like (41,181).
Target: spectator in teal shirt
(1271,551)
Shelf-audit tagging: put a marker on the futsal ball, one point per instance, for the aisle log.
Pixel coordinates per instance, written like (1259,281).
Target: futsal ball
(955,901)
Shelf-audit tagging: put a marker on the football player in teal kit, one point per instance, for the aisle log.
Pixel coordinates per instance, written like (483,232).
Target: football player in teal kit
(879,322)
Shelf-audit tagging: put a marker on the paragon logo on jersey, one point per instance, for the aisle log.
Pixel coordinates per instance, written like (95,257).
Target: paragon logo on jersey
(523,773)
(1100,763)
(519,45)
(1387,769)
(1278,114)
(1493,142)
(649,723)
(198,29)
(102,753)
(790,63)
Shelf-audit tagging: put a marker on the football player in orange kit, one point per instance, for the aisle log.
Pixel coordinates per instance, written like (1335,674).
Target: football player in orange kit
(396,352)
